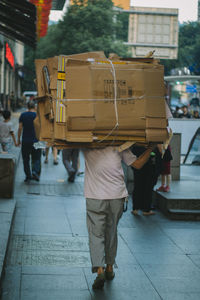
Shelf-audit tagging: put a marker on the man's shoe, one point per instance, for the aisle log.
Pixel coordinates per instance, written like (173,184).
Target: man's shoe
(55,162)
(71,176)
(46,161)
(109,275)
(27,180)
(99,282)
(35,177)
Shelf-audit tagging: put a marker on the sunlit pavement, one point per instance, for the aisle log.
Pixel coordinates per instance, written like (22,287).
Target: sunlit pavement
(48,254)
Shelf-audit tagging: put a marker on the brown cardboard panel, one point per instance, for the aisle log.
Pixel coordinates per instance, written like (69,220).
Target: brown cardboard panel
(46,125)
(156,123)
(59,128)
(79,136)
(52,64)
(78,87)
(156,135)
(155,107)
(154,82)
(37,127)
(86,55)
(39,64)
(81,123)
(116,132)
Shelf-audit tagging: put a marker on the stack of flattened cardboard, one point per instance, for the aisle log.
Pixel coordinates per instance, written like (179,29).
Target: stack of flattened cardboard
(89,100)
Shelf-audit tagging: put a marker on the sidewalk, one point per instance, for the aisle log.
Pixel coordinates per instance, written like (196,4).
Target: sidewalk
(48,254)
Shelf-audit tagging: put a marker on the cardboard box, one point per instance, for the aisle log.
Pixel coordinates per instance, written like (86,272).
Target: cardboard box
(90,110)
(140,94)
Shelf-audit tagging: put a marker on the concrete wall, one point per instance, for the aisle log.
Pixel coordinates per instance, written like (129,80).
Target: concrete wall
(187,129)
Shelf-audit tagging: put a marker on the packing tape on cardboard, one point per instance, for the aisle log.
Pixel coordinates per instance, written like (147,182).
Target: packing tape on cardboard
(60,112)
(61,77)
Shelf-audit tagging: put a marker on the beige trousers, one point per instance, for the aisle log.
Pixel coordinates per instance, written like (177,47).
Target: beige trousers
(102,220)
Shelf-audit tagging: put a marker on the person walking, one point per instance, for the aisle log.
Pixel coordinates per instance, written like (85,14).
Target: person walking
(6,132)
(55,155)
(26,128)
(70,161)
(105,192)
(144,181)
(165,170)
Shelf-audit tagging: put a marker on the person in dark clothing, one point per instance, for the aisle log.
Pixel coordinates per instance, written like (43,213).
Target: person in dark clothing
(26,128)
(144,181)
(70,161)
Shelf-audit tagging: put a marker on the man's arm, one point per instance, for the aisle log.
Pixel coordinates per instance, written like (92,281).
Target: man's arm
(143,158)
(19,133)
(13,137)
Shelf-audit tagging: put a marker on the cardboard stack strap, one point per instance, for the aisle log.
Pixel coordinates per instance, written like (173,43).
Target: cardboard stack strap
(87,100)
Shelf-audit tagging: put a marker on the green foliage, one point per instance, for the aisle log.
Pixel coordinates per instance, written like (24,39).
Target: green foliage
(189,49)
(88,25)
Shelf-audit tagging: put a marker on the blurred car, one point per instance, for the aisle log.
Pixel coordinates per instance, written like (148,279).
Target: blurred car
(29,95)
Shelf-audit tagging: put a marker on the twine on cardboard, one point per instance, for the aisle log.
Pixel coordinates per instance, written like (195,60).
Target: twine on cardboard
(115,103)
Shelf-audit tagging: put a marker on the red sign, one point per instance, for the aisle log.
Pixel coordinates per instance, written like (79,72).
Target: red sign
(10,56)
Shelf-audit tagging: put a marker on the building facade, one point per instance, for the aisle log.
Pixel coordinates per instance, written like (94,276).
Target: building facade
(153,29)
(11,75)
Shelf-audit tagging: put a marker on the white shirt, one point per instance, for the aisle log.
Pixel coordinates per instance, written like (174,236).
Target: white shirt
(104,175)
(5,129)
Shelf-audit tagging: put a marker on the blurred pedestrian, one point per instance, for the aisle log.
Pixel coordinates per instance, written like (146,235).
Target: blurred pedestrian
(6,132)
(70,160)
(26,128)
(12,101)
(144,181)
(105,193)
(196,114)
(165,170)
(185,113)
(55,154)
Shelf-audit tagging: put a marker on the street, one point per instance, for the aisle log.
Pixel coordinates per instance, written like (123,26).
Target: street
(48,254)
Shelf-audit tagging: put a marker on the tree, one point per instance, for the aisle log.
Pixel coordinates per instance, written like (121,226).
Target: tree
(88,25)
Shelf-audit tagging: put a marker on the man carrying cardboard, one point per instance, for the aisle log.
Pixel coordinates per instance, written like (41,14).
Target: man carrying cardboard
(105,193)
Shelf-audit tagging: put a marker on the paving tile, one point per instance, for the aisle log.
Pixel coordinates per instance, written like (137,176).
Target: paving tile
(185,271)
(186,239)
(39,283)
(5,223)
(195,258)
(146,240)
(55,294)
(50,270)
(180,296)
(129,283)
(163,258)
(11,286)
(7,205)
(46,224)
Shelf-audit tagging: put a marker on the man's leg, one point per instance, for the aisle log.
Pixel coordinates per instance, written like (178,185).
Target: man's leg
(115,212)
(26,150)
(66,157)
(96,223)
(75,155)
(36,163)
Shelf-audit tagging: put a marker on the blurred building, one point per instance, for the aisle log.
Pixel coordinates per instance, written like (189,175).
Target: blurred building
(125,4)
(11,75)
(198,12)
(153,29)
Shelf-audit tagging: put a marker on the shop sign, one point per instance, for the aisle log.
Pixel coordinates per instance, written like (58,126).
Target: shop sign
(10,56)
